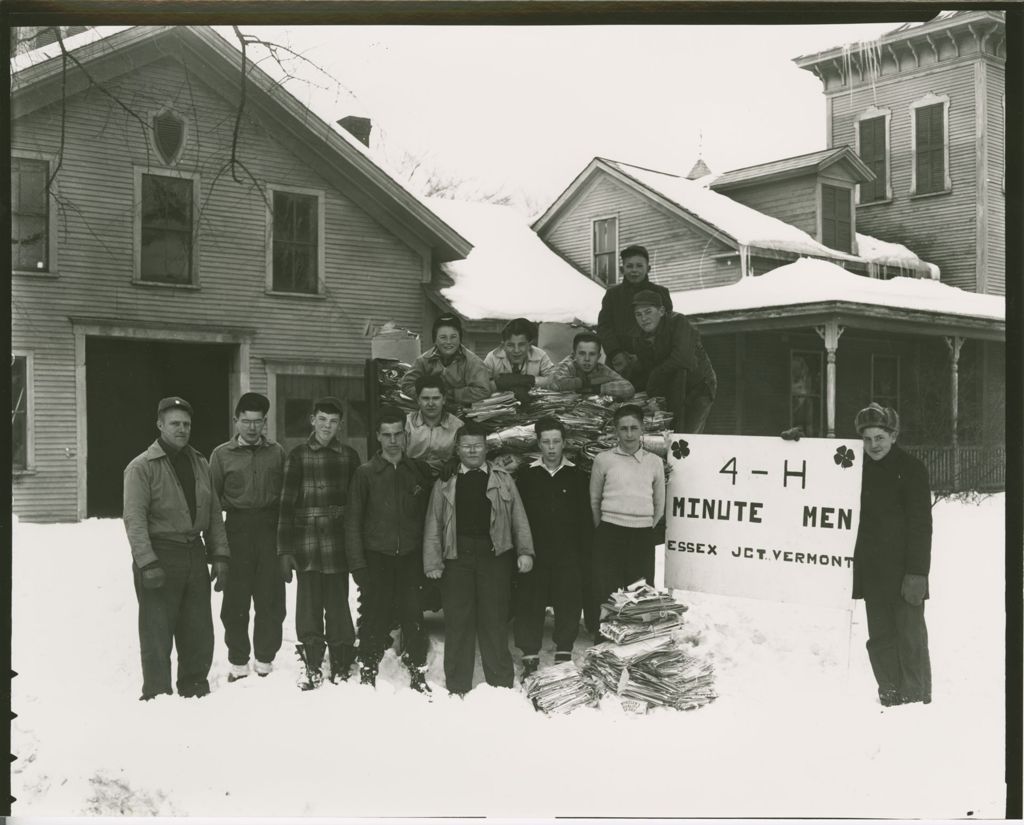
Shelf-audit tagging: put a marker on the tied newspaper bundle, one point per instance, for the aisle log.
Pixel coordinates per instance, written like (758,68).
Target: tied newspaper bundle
(656,672)
(561,689)
(640,612)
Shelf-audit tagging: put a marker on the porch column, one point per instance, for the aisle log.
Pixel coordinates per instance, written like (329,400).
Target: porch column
(830,334)
(954,344)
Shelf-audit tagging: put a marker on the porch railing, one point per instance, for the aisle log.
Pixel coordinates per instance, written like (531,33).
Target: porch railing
(956,469)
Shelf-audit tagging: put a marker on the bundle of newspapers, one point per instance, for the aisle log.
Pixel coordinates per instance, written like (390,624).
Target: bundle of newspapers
(560,689)
(640,612)
(652,672)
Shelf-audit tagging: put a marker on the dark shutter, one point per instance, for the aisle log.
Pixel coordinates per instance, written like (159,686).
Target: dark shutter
(836,229)
(930,163)
(872,152)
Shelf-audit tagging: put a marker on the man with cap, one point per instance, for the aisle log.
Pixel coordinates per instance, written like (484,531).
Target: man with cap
(671,362)
(463,371)
(517,364)
(170,508)
(247,474)
(311,540)
(615,323)
(891,559)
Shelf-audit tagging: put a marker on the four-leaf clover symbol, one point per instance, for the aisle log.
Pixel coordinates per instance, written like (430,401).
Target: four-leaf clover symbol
(680,449)
(843,457)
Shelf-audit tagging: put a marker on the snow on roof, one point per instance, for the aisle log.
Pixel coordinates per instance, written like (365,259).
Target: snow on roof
(511,272)
(896,255)
(782,166)
(809,281)
(747,226)
(51,50)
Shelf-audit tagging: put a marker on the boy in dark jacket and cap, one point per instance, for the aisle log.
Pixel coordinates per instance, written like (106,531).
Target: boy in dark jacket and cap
(616,325)
(892,558)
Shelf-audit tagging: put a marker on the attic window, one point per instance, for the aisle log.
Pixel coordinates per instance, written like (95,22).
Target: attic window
(168,135)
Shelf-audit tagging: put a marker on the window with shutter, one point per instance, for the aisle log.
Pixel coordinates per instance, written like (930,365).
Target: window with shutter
(19,412)
(605,243)
(872,152)
(929,149)
(836,218)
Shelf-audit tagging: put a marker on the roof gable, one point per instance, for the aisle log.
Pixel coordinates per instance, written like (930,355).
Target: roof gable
(36,82)
(842,157)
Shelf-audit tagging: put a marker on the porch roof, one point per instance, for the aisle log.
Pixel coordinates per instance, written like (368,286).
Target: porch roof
(811,291)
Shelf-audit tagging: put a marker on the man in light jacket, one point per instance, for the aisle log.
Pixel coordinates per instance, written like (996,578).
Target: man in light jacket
(476,532)
(517,364)
(170,508)
(463,371)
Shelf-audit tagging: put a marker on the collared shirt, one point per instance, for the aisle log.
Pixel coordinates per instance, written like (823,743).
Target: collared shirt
(432,444)
(628,489)
(540,463)
(483,468)
(568,376)
(248,476)
(537,363)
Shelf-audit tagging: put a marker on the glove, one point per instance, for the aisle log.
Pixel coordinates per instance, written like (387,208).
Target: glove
(622,361)
(219,575)
(792,434)
(153,576)
(361,577)
(508,381)
(286,563)
(914,588)
(525,563)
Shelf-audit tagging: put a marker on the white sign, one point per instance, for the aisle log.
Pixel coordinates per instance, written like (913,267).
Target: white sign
(762,517)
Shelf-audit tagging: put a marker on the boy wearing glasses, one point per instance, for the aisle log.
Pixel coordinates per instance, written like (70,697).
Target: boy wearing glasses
(247,474)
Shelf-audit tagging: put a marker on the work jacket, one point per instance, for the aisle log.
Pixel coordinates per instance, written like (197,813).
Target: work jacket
(675,345)
(616,324)
(155,505)
(538,363)
(509,525)
(466,376)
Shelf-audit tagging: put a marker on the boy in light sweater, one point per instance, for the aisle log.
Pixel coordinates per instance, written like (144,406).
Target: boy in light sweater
(627,498)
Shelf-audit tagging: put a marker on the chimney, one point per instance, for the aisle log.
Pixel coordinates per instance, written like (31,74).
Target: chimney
(699,170)
(358,127)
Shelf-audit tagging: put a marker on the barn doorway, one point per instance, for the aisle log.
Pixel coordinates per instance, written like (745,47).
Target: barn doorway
(125,378)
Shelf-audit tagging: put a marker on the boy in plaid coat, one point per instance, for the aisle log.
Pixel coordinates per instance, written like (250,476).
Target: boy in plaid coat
(311,541)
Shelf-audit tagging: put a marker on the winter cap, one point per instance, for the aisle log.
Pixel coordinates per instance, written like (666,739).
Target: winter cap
(647,298)
(173,402)
(328,404)
(875,415)
(446,321)
(635,249)
(252,402)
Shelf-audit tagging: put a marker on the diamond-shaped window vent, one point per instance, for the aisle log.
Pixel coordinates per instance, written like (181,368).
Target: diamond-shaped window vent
(169,134)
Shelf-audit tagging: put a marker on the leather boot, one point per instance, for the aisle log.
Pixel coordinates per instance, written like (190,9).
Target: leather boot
(417,675)
(310,677)
(342,658)
(368,666)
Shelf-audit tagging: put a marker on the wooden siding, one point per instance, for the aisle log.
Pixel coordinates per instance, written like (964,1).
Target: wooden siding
(939,228)
(369,273)
(682,256)
(995,85)
(793,200)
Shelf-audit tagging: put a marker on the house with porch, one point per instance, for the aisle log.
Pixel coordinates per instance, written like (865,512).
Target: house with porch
(166,242)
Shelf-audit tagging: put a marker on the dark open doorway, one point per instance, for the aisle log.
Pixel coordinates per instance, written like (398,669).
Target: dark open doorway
(125,378)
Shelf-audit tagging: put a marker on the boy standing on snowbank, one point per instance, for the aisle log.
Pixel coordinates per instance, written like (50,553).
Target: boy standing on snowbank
(311,540)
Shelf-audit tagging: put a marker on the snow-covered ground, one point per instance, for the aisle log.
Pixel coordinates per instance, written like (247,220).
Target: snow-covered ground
(796,730)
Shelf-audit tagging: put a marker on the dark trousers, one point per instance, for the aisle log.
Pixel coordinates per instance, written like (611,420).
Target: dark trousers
(621,556)
(179,615)
(898,648)
(322,614)
(689,401)
(556,581)
(392,591)
(475,593)
(254,580)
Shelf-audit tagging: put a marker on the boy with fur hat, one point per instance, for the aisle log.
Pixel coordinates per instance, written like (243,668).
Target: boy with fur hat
(892,558)
(247,475)
(311,541)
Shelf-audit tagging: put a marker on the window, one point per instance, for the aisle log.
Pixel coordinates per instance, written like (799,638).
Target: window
(805,397)
(836,218)
(166,244)
(885,380)
(21,412)
(295,245)
(30,215)
(294,397)
(873,142)
(605,246)
(929,127)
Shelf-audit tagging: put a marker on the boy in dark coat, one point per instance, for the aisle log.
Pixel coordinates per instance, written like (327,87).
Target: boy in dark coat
(616,325)
(311,540)
(556,495)
(891,559)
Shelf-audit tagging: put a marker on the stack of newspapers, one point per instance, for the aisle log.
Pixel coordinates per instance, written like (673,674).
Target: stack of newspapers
(640,612)
(560,689)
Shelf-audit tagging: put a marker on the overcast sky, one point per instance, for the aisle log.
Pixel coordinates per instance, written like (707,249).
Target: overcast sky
(526,108)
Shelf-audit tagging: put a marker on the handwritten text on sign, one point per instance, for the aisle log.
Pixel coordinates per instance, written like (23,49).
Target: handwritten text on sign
(762,517)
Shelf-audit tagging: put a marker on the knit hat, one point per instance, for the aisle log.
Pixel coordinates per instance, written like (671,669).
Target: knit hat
(446,321)
(173,402)
(647,298)
(875,415)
